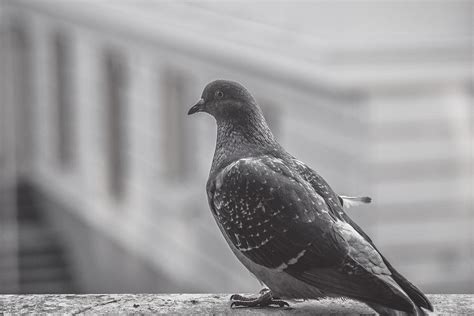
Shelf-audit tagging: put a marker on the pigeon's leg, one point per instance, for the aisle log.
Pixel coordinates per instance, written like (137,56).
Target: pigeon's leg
(264,300)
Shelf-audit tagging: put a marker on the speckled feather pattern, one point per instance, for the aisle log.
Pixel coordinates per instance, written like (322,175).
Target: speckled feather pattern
(250,204)
(271,212)
(282,219)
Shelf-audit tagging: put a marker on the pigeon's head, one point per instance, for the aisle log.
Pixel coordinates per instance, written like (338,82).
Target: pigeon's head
(226,100)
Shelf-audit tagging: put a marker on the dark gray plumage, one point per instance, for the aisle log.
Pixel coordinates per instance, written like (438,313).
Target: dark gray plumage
(284,222)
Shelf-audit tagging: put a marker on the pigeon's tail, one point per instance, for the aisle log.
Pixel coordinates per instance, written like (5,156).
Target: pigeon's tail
(418,298)
(391,281)
(415,295)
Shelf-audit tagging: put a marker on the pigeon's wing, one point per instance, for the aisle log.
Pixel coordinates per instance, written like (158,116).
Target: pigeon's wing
(322,188)
(277,220)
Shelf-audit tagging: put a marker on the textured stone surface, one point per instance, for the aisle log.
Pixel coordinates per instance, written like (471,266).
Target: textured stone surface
(198,304)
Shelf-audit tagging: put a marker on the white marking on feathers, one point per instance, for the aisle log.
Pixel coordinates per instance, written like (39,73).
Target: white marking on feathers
(238,239)
(257,246)
(299,163)
(223,173)
(218,204)
(294,260)
(261,206)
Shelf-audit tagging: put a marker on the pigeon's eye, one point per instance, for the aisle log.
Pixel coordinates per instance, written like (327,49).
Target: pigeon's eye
(219,94)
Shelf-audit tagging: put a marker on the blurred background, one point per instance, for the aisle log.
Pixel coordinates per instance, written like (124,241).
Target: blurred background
(102,174)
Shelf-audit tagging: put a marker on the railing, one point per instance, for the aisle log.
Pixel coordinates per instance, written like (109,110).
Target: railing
(200,304)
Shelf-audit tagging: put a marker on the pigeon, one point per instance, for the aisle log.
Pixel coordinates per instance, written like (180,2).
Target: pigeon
(285,223)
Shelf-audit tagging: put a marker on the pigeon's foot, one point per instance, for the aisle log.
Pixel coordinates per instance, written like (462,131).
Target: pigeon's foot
(265,299)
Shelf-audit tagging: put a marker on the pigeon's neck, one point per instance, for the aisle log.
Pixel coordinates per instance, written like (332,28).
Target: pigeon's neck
(237,140)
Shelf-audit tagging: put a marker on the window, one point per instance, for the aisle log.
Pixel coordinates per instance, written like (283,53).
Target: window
(115,127)
(174,106)
(22,90)
(63,120)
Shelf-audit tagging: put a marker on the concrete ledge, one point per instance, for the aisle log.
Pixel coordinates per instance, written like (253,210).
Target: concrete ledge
(199,304)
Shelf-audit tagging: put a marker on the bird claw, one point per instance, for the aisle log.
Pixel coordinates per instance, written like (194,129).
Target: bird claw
(238,297)
(280,303)
(264,300)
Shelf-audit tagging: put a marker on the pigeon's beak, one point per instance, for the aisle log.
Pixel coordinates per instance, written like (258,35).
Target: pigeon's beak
(198,107)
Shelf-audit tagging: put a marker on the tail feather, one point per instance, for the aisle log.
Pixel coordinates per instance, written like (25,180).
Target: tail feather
(412,291)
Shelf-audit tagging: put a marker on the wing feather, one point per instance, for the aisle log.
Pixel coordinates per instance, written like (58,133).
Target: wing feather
(320,186)
(277,219)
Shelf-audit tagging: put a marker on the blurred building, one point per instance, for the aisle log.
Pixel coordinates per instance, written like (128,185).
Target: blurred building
(103,176)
